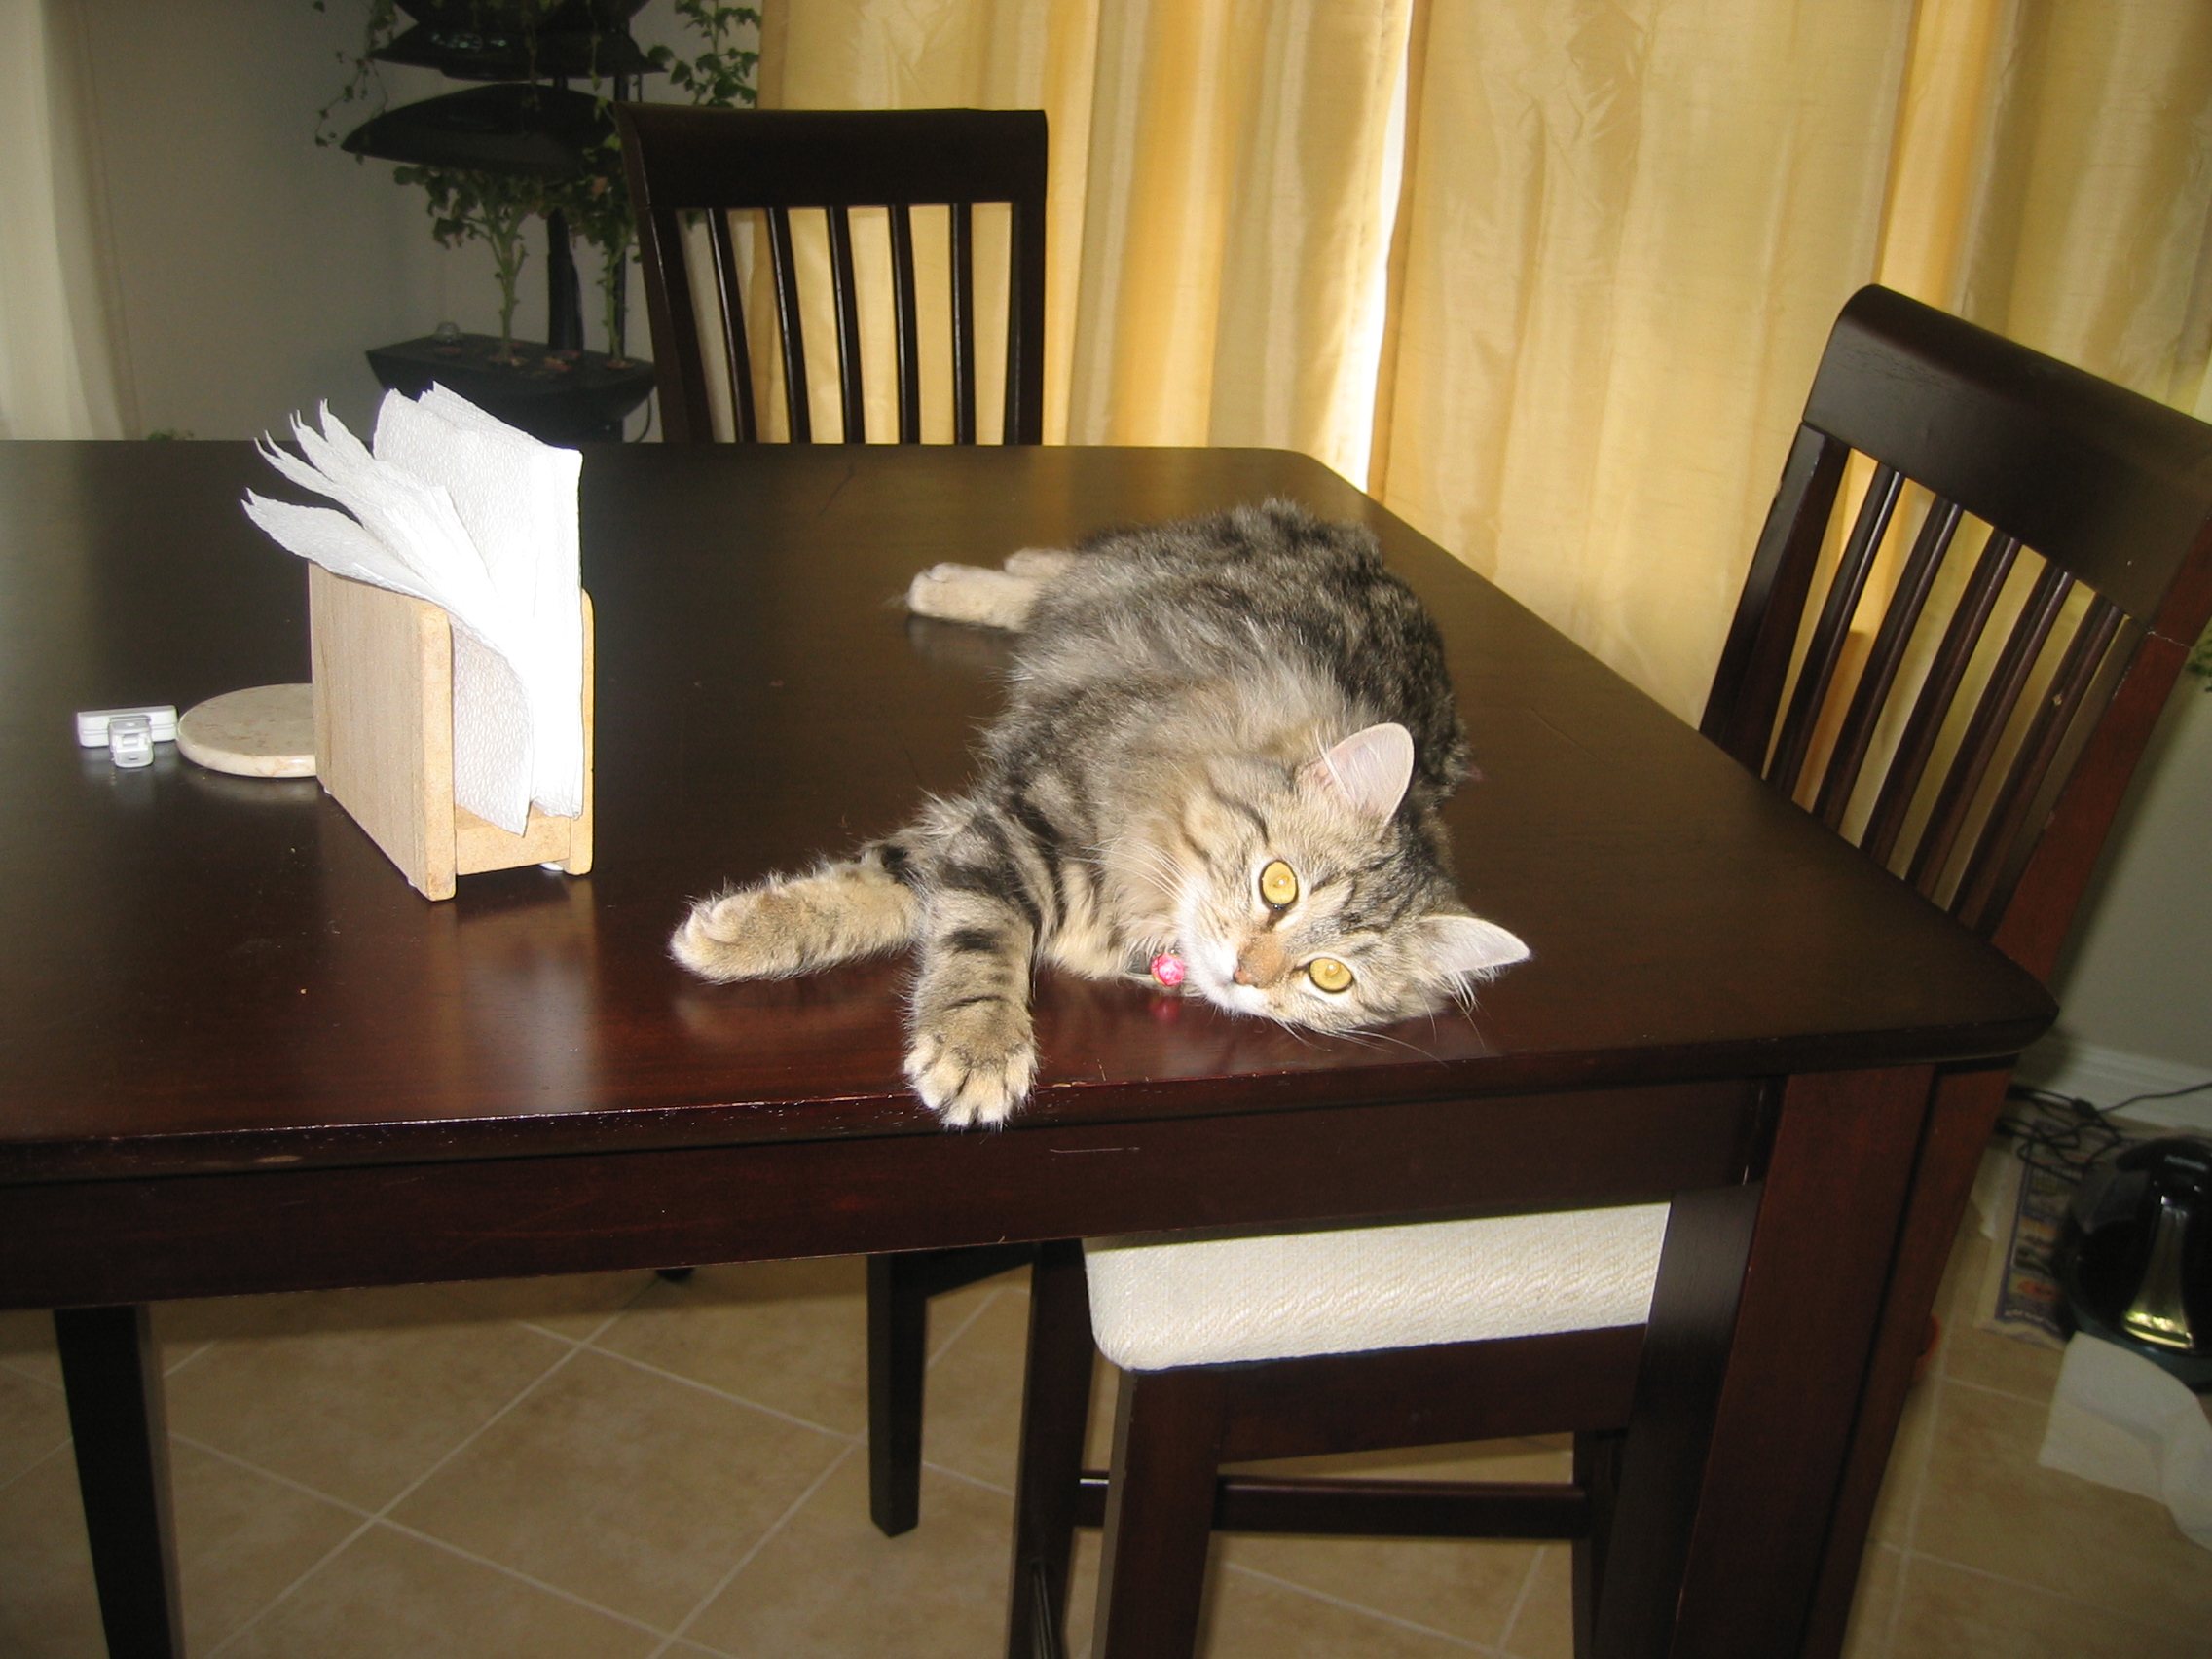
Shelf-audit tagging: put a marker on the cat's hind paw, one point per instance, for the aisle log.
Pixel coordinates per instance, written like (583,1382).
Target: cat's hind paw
(969,593)
(975,1063)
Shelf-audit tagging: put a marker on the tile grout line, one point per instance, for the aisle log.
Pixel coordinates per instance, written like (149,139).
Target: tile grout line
(723,1395)
(945,1347)
(966,1479)
(1937,1385)
(2002,1393)
(206,1449)
(1365,1612)
(2047,1590)
(38,1463)
(169,1371)
(1519,1600)
(432,1541)
(775,1530)
(14,1370)
(397,1498)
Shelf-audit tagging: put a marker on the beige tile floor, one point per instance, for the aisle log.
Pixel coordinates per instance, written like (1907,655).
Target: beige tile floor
(611,1468)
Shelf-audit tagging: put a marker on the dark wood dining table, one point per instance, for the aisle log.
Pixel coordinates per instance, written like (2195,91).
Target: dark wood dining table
(239,1054)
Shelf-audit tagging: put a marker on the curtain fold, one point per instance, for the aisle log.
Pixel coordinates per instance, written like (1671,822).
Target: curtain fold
(1551,277)
(57,370)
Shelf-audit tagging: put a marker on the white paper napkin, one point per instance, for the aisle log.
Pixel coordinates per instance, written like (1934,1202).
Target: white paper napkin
(459,509)
(2119,1420)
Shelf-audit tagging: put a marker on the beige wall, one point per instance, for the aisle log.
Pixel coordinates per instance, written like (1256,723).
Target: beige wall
(254,268)
(2138,977)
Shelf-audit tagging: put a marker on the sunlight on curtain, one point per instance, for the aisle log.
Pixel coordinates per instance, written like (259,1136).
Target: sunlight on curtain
(1621,232)
(1625,234)
(56,379)
(1217,217)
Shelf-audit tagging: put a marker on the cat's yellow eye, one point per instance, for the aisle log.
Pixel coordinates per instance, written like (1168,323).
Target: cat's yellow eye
(1329,974)
(1279,884)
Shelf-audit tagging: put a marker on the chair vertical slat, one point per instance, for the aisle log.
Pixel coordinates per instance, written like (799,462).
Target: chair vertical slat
(681,161)
(2008,814)
(845,291)
(1978,747)
(963,323)
(681,369)
(1825,647)
(795,394)
(1930,709)
(1024,422)
(737,353)
(1882,663)
(908,327)
(1746,685)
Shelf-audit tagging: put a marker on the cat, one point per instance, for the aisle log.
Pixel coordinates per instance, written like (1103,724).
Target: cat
(1224,749)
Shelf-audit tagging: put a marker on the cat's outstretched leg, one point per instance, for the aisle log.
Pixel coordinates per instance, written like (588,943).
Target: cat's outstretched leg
(996,599)
(1040,563)
(972,1049)
(794,924)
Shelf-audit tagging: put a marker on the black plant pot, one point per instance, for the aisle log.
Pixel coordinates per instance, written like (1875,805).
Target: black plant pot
(563,398)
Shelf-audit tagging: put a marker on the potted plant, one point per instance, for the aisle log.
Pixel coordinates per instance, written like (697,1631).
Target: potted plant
(524,144)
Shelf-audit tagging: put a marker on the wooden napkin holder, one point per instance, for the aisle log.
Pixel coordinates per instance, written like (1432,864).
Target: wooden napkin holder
(383,667)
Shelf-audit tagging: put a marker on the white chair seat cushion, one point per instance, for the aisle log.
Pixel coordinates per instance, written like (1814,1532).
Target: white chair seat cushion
(1158,1303)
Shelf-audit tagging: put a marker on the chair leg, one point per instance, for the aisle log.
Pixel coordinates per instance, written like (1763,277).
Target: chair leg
(111,1370)
(898,1291)
(898,1354)
(1167,1442)
(1055,1409)
(1597,1471)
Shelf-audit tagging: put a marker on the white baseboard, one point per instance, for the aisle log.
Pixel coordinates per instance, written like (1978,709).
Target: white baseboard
(2066,1065)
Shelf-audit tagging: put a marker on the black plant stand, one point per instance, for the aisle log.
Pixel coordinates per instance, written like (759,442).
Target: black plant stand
(564,397)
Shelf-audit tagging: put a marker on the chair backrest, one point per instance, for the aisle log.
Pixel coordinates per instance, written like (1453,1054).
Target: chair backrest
(683,161)
(1978,743)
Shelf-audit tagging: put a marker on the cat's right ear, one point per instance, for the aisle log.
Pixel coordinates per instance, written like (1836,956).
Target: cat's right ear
(1469,947)
(1368,771)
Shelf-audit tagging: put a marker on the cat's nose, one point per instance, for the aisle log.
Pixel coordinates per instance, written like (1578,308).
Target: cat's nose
(1258,962)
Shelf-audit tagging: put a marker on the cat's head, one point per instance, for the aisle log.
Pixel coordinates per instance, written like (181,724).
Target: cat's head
(1316,903)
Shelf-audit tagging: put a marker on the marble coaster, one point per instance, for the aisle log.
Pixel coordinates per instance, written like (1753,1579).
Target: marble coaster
(265,731)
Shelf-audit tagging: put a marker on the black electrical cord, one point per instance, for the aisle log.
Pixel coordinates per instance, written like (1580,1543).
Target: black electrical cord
(2063,1134)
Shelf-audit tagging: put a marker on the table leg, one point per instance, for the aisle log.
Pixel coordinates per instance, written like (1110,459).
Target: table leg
(1960,1124)
(111,1367)
(1821,1252)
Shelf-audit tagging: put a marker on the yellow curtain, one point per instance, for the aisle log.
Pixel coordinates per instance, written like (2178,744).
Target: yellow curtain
(57,370)
(1218,207)
(1550,276)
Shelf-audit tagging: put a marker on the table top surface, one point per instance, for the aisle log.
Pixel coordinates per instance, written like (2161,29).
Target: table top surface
(207,973)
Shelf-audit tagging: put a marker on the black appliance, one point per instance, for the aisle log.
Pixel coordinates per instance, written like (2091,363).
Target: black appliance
(2135,1263)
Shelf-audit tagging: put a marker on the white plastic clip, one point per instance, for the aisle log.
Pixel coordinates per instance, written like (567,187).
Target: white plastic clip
(92,724)
(131,740)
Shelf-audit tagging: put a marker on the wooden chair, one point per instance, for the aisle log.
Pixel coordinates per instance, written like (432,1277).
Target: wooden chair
(683,162)
(1978,748)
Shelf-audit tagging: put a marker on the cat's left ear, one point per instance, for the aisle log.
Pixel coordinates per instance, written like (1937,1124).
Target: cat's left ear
(1368,771)
(1462,945)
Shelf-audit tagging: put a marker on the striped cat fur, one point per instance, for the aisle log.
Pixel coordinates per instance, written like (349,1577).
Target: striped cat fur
(1225,740)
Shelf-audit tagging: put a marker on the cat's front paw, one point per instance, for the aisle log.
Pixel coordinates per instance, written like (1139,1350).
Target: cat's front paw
(973,1064)
(752,934)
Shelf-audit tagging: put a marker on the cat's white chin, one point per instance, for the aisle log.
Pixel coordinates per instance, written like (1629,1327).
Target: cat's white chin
(1224,992)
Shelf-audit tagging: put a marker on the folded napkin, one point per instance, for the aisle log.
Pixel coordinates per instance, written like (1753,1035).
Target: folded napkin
(461,509)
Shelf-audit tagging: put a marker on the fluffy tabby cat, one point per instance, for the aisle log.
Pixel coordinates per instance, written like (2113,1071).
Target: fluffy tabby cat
(1225,741)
